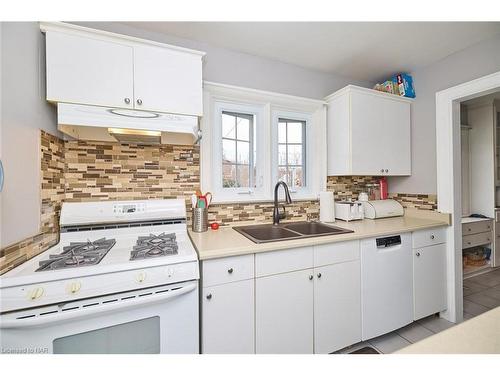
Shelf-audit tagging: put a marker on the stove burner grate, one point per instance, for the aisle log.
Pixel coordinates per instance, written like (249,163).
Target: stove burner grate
(154,246)
(78,254)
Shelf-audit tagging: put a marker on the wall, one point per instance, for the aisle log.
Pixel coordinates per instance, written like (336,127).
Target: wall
(240,69)
(474,62)
(24,112)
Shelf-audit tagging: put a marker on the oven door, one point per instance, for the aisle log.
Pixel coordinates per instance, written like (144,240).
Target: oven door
(153,320)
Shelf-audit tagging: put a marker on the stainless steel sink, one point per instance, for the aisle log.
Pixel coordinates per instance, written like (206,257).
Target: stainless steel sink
(288,231)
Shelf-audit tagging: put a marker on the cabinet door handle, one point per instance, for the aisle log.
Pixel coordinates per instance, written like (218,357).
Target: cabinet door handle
(127,100)
(432,237)
(386,171)
(209,296)
(139,101)
(310,277)
(418,254)
(319,275)
(382,170)
(230,270)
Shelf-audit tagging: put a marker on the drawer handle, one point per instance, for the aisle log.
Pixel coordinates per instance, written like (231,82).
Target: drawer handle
(319,275)
(230,270)
(468,243)
(310,277)
(469,229)
(432,236)
(417,254)
(209,296)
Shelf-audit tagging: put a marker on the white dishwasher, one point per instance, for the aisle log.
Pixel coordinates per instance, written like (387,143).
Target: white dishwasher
(386,284)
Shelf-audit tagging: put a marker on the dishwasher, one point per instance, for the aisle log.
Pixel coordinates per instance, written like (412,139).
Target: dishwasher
(386,284)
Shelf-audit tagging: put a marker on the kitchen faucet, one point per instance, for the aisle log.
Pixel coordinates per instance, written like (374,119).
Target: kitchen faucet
(276,212)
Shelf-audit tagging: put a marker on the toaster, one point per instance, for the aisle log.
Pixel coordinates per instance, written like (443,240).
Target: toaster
(347,211)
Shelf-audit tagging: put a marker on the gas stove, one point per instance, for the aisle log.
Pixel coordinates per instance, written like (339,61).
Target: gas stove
(106,247)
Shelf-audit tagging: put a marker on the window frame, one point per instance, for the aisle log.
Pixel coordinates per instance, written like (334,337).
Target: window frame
(225,194)
(309,190)
(303,145)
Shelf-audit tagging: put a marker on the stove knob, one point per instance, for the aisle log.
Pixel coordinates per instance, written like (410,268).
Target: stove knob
(141,276)
(35,293)
(74,287)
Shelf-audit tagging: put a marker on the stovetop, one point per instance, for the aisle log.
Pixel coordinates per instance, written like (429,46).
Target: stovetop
(78,254)
(154,245)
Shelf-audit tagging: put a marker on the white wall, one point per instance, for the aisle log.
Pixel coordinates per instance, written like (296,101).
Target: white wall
(240,69)
(474,62)
(23,112)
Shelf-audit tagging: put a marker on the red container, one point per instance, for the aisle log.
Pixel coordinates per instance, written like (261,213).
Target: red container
(383,188)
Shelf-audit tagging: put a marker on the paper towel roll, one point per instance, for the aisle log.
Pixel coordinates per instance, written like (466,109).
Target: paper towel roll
(326,207)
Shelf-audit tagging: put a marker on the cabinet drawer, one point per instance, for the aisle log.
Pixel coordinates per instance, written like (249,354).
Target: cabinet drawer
(275,262)
(226,270)
(335,253)
(428,237)
(477,239)
(477,227)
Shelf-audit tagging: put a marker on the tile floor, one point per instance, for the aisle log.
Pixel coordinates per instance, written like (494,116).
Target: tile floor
(481,293)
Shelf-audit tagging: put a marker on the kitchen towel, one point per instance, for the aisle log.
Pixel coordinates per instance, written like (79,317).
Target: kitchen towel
(326,207)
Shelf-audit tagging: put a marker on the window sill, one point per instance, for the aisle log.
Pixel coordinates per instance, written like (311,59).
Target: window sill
(262,200)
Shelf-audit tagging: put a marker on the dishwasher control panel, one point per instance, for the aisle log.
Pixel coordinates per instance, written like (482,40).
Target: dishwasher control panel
(388,241)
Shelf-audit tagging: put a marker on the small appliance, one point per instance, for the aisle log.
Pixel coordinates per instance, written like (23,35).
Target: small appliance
(383,208)
(349,211)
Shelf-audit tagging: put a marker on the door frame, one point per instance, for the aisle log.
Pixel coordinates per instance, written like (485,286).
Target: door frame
(449,175)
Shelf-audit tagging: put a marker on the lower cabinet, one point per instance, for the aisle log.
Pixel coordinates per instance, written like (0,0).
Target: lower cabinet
(228,318)
(337,306)
(429,280)
(284,313)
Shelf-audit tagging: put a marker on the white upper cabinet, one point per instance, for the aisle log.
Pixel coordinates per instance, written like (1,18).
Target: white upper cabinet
(93,67)
(368,133)
(166,78)
(89,71)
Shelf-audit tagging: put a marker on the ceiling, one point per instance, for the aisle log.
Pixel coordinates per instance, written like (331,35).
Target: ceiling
(360,50)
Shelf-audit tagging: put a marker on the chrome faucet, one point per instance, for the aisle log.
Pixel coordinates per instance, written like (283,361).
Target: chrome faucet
(276,212)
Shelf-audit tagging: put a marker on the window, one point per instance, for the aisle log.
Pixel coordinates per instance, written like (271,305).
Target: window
(238,150)
(252,139)
(292,152)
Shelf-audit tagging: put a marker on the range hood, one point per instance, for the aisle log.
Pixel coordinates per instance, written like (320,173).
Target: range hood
(93,123)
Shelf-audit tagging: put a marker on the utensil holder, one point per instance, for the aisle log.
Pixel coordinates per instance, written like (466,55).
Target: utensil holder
(200,219)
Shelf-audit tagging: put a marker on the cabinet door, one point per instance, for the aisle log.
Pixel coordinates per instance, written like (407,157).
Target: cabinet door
(167,80)
(380,135)
(429,280)
(89,71)
(228,318)
(337,306)
(284,313)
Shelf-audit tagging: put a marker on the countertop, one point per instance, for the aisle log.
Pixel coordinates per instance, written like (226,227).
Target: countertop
(227,242)
(478,335)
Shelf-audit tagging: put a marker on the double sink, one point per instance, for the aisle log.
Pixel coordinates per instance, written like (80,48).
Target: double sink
(288,231)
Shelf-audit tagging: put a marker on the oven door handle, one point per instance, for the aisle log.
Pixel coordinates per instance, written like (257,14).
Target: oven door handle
(91,311)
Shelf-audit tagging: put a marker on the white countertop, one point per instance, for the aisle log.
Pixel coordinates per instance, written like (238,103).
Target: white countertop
(479,335)
(227,242)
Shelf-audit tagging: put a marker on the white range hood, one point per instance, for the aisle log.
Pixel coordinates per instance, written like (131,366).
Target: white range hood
(86,122)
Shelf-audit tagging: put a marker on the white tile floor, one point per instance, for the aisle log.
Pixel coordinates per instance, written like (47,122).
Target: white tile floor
(481,293)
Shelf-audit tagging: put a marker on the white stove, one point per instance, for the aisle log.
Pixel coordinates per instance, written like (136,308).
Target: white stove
(111,256)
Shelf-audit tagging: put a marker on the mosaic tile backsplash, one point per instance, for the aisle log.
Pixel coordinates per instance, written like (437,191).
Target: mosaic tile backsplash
(90,171)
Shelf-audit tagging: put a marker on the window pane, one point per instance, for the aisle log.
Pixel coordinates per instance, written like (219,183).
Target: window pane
(243,153)
(296,177)
(295,132)
(282,132)
(229,176)
(243,176)
(228,126)
(228,151)
(281,154)
(294,154)
(282,174)
(243,128)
